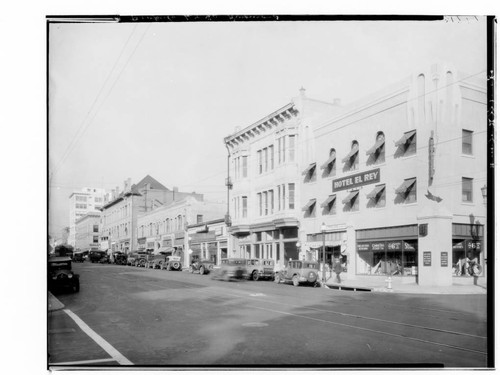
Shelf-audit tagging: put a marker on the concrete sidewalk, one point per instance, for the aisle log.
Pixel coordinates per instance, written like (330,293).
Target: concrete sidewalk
(400,284)
(54,303)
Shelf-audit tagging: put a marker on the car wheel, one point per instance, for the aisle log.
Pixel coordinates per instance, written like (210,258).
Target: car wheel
(191,269)
(202,270)
(295,280)
(277,278)
(255,276)
(176,266)
(76,287)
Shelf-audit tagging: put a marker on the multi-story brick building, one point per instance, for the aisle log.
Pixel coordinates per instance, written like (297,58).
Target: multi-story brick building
(264,178)
(164,228)
(119,216)
(80,204)
(87,232)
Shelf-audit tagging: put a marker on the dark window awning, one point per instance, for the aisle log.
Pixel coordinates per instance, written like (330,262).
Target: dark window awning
(405,186)
(405,138)
(330,160)
(350,197)
(374,149)
(329,200)
(378,189)
(309,169)
(350,155)
(309,204)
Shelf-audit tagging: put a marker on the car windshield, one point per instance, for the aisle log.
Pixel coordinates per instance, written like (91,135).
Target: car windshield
(59,264)
(268,262)
(311,265)
(236,261)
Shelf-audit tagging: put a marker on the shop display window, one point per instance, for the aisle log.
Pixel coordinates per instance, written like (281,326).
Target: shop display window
(387,258)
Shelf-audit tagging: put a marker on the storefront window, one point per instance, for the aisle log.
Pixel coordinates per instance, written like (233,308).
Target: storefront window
(290,251)
(387,257)
(290,233)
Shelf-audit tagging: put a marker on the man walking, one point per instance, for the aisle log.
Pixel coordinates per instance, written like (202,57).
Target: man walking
(337,268)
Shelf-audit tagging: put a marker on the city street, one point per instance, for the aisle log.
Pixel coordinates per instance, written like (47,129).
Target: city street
(144,317)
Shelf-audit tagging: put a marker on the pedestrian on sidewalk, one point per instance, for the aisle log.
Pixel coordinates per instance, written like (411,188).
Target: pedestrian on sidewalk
(337,268)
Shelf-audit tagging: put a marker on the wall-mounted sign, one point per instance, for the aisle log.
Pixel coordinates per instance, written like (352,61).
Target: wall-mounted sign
(355,180)
(444,259)
(427,258)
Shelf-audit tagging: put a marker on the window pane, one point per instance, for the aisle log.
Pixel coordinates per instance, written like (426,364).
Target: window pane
(467,142)
(245,161)
(466,189)
(291,196)
(292,147)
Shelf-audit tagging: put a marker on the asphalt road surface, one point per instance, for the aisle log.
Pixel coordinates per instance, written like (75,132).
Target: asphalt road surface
(126,316)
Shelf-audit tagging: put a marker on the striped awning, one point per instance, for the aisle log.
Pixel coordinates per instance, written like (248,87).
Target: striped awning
(350,155)
(373,194)
(309,204)
(374,149)
(330,160)
(329,200)
(405,138)
(405,186)
(309,169)
(350,197)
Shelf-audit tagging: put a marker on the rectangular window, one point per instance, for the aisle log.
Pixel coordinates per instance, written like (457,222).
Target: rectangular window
(271,201)
(466,189)
(259,155)
(279,150)
(411,197)
(96,228)
(283,148)
(265,159)
(244,203)
(291,196)
(283,196)
(291,147)
(355,203)
(199,219)
(265,203)
(245,166)
(259,200)
(271,157)
(466,142)
(95,239)
(411,145)
(278,188)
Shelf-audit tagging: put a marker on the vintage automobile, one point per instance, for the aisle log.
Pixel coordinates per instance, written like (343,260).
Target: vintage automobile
(202,267)
(79,257)
(299,272)
(156,260)
(172,263)
(230,268)
(120,258)
(96,255)
(260,269)
(137,258)
(60,275)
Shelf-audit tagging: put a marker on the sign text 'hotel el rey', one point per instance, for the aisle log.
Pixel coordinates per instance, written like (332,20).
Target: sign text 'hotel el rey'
(355,180)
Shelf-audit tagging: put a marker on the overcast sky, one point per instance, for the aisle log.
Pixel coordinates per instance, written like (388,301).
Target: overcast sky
(127,100)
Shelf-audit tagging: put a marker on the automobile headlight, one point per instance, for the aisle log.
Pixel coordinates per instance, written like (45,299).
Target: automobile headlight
(70,276)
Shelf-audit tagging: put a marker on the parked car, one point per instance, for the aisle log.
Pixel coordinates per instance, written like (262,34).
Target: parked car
(202,266)
(299,272)
(156,260)
(230,268)
(120,258)
(104,259)
(137,259)
(96,255)
(78,257)
(260,269)
(172,263)
(60,275)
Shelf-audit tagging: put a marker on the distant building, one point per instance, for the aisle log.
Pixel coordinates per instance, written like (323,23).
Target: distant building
(208,240)
(80,204)
(164,228)
(87,232)
(119,215)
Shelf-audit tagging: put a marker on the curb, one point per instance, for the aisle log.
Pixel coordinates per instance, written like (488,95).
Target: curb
(54,303)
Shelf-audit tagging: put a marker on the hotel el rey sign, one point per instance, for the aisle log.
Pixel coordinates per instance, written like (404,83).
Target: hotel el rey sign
(355,180)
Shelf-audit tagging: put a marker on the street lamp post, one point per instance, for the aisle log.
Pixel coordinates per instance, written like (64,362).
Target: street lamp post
(323,228)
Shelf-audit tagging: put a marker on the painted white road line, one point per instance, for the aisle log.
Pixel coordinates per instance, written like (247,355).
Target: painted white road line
(89,361)
(115,354)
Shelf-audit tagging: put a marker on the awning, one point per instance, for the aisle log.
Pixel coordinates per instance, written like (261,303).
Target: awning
(405,138)
(405,186)
(350,197)
(351,154)
(309,204)
(374,149)
(309,169)
(373,194)
(329,200)
(331,159)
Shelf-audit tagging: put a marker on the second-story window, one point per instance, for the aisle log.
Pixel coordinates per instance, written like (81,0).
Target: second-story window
(259,202)
(377,196)
(244,169)
(266,204)
(271,157)
(351,202)
(408,190)
(291,196)
(329,205)
(310,208)
(259,156)
(310,173)
(95,228)
(199,219)
(244,204)
(270,193)
(466,189)
(291,147)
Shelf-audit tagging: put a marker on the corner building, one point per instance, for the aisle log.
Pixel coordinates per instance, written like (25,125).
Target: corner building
(264,181)
(395,184)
